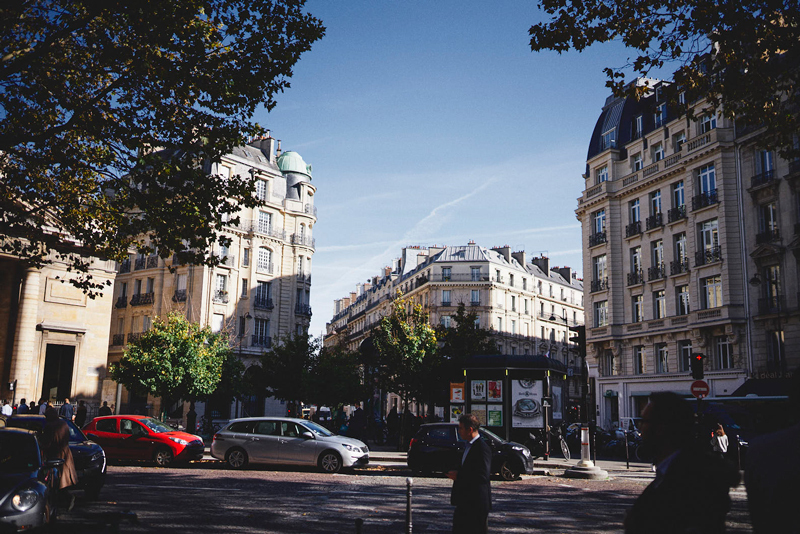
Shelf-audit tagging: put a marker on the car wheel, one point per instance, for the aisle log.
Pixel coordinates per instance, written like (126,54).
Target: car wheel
(236,458)
(507,472)
(163,457)
(330,462)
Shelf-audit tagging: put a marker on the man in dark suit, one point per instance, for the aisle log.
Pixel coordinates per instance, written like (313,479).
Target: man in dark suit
(690,491)
(472,493)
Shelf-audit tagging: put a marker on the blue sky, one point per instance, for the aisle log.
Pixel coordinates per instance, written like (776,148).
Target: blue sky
(433,123)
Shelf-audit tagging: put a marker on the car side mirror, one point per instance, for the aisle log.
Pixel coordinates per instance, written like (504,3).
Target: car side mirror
(56,462)
(307,435)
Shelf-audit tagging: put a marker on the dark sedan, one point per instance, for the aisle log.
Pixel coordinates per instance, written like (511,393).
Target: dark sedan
(90,460)
(28,483)
(437,447)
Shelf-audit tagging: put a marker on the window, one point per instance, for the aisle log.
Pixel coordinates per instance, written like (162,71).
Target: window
(608,140)
(772,289)
(137,287)
(222,283)
(723,352)
(637,127)
(609,364)
(244,287)
(602,174)
(264,260)
(636,162)
(681,252)
(540,286)
(513,326)
(682,299)
(633,210)
(261,330)
(662,358)
(685,354)
(524,284)
(709,234)
(767,222)
(475,296)
(263,292)
(151,282)
(655,202)
(264,222)
(639,362)
(123,290)
(659,304)
(526,306)
(446,273)
(600,272)
(637,306)
(599,221)
(300,265)
(636,260)
(678,140)
(682,98)
(445,321)
(764,161)
(712,292)
(246,258)
(261,190)
(217,321)
(708,122)
(445,297)
(657,249)
(475,274)
(242,325)
(601,313)
(678,199)
(497,275)
(708,181)
(513,303)
(661,115)
(147,322)
(499,324)
(658,152)
(511,280)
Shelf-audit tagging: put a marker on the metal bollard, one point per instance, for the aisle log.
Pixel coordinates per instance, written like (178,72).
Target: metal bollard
(409,483)
(359,524)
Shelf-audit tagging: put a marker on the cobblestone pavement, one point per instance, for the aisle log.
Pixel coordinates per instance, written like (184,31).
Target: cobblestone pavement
(207,497)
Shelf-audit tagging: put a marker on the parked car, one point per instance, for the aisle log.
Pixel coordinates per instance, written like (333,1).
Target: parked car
(136,437)
(288,441)
(438,447)
(89,457)
(28,483)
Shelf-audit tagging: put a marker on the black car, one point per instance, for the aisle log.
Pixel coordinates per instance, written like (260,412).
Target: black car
(28,483)
(438,447)
(90,460)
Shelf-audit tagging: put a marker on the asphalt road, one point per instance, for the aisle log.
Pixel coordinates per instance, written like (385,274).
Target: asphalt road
(207,497)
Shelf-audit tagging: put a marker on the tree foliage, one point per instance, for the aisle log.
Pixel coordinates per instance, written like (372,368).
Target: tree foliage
(465,338)
(179,360)
(742,56)
(88,90)
(287,367)
(335,379)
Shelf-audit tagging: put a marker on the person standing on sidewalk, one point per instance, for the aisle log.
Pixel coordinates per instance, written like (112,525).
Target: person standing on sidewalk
(472,492)
(67,411)
(719,441)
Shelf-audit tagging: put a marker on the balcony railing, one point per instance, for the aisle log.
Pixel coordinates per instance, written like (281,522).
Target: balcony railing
(152,262)
(703,200)
(763,178)
(263,303)
(142,298)
(118,339)
(654,221)
(676,214)
(656,272)
(221,296)
(600,285)
(261,341)
(304,240)
(446,303)
(768,236)
(598,238)
(265,268)
(125,267)
(309,208)
(635,278)
(133,337)
(774,304)
(475,303)
(460,277)
(179,295)
(709,255)
(304,278)
(141,263)
(634,228)
(303,309)
(679,266)
(122,302)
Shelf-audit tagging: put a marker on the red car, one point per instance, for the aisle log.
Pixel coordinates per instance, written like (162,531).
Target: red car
(136,437)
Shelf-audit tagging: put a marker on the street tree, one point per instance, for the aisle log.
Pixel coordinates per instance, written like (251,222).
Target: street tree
(113,112)
(465,338)
(286,368)
(335,378)
(179,360)
(741,56)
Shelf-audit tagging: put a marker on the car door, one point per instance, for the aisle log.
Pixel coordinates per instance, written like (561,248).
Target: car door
(442,448)
(263,443)
(104,432)
(137,442)
(296,448)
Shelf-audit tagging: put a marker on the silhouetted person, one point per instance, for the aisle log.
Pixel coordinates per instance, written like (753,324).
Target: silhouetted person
(104,409)
(23,406)
(44,404)
(55,443)
(772,474)
(80,414)
(690,491)
(32,407)
(719,441)
(67,410)
(472,492)
(358,425)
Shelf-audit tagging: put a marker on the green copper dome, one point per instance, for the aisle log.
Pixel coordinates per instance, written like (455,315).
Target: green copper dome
(292,162)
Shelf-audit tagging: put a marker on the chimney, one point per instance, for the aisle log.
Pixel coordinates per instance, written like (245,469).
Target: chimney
(266,145)
(504,251)
(434,250)
(471,242)
(566,272)
(520,257)
(353,296)
(278,152)
(387,271)
(543,262)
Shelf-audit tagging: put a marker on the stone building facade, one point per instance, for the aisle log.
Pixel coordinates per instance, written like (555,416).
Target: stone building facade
(678,217)
(527,306)
(258,294)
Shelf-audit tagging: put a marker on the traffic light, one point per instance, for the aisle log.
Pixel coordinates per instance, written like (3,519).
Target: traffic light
(577,334)
(697,366)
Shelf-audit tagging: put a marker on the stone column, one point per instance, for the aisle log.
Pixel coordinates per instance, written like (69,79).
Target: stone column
(23,355)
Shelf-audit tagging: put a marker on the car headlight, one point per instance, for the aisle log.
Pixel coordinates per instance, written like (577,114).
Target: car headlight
(24,500)
(179,440)
(524,450)
(97,456)
(351,448)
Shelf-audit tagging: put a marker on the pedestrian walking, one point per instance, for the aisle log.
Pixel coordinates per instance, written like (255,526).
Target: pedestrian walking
(43,405)
(719,441)
(104,409)
(472,492)
(67,410)
(690,491)
(55,444)
(80,414)
(7,410)
(23,406)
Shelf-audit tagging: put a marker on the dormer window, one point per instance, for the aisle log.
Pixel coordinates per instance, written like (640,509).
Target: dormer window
(637,128)
(608,140)
(661,115)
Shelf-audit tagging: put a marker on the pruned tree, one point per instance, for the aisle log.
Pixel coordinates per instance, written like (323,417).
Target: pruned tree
(286,368)
(335,379)
(112,113)
(741,56)
(179,360)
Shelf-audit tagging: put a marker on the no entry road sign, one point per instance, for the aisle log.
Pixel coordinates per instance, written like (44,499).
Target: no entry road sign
(699,389)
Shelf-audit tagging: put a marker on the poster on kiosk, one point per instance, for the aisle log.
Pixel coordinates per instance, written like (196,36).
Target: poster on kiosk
(526,403)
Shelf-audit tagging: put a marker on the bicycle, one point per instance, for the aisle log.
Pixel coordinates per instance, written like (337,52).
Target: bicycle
(536,443)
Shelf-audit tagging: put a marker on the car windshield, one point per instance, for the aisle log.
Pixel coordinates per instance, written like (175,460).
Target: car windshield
(75,434)
(37,424)
(155,425)
(18,453)
(317,429)
(492,435)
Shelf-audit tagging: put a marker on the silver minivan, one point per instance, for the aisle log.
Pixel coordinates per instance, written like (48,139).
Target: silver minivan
(288,441)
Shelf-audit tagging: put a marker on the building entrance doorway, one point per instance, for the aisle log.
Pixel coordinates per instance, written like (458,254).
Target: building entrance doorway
(59,362)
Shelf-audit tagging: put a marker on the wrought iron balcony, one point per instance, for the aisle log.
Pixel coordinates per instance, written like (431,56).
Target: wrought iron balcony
(125,267)
(598,238)
(703,200)
(676,214)
(221,296)
(634,228)
(309,208)
(261,341)
(679,266)
(133,337)
(635,278)
(770,305)
(122,302)
(656,272)
(709,255)
(263,303)
(654,221)
(118,339)
(142,298)
(600,285)
(179,295)
(763,178)
(141,263)
(768,236)
(152,262)
(475,303)
(303,309)
(306,241)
